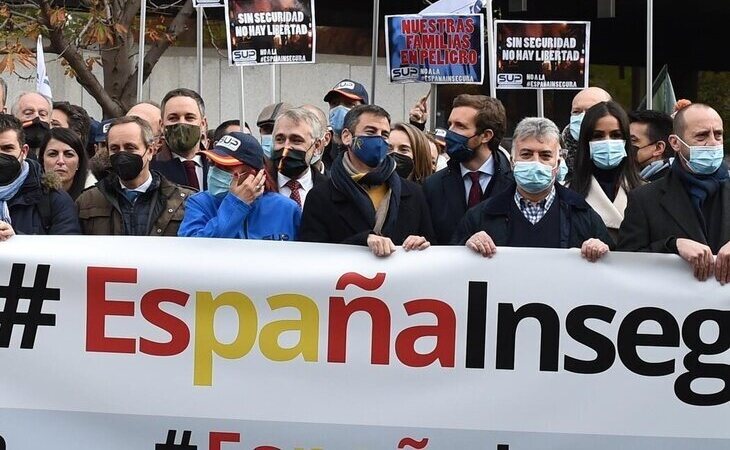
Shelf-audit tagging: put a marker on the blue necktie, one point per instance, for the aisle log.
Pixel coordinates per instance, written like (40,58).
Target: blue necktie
(131,195)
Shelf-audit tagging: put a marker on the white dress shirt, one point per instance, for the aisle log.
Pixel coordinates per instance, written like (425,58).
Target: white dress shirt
(486,171)
(305,184)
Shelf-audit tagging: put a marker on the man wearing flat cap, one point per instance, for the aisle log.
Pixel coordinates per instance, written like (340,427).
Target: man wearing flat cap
(266,121)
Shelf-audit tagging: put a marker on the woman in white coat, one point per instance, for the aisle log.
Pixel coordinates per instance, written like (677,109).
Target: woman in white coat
(605,169)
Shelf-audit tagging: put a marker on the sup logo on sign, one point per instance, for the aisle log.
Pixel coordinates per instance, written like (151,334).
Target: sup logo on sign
(244,55)
(404,73)
(509,79)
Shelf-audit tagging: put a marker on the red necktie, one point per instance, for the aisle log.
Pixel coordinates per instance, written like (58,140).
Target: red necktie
(294,186)
(190,174)
(475,193)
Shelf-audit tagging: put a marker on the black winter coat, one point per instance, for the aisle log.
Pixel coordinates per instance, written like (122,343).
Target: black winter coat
(578,221)
(39,193)
(659,213)
(446,196)
(329,216)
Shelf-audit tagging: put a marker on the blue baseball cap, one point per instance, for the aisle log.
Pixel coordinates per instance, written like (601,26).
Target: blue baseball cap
(237,148)
(98,130)
(350,89)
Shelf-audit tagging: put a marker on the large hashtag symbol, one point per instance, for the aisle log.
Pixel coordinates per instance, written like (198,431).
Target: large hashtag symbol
(31,320)
(171,445)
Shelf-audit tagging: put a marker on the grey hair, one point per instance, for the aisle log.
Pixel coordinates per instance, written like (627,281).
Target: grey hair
(299,115)
(16,105)
(536,127)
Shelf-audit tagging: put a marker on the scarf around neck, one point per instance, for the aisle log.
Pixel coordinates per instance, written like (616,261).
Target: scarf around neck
(10,190)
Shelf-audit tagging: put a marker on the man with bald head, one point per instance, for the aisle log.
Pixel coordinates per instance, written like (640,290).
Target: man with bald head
(34,112)
(688,211)
(148,111)
(581,102)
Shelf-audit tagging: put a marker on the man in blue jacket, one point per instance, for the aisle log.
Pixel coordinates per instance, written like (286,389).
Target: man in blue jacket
(30,202)
(241,200)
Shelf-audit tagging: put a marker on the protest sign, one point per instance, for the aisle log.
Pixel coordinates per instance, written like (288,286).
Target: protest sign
(121,343)
(444,49)
(272,32)
(542,55)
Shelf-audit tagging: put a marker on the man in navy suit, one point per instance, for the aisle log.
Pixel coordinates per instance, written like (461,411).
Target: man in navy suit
(477,168)
(183,128)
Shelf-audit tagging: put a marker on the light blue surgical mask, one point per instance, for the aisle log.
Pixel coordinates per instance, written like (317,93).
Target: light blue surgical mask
(533,176)
(337,118)
(267,144)
(703,159)
(562,170)
(219,181)
(575,123)
(608,153)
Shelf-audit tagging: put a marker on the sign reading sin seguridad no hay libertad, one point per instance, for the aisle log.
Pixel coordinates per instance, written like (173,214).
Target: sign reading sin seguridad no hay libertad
(435,49)
(272,32)
(542,55)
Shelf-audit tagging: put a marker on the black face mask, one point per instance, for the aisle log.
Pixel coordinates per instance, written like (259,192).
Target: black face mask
(9,168)
(403,164)
(290,162)
(35,132)
(126,165)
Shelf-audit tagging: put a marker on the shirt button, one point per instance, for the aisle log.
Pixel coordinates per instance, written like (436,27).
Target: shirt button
(159,230)
(169,210)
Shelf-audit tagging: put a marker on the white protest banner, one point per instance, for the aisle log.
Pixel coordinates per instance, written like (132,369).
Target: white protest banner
(271,32)
(542,55)
(186,344)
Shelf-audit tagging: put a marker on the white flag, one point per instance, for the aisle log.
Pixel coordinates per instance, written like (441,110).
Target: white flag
(454,7)
(43,86)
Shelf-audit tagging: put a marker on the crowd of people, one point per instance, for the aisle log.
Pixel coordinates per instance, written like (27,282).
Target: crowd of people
(642,181)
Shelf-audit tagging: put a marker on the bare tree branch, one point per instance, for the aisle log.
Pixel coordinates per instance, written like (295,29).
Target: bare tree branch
(131,7)
(177,27)
(71,54)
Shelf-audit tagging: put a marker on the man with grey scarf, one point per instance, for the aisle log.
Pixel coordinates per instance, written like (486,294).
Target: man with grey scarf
(365,202)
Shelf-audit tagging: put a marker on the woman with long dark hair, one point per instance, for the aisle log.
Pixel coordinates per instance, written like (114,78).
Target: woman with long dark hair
(605,169)
(62,153)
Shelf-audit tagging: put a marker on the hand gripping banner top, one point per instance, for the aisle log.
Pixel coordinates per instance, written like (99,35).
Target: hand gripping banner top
(184,344)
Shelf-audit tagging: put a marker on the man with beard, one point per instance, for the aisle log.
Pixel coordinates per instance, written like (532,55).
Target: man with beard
(132,200)
(365,202)
(183,127)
